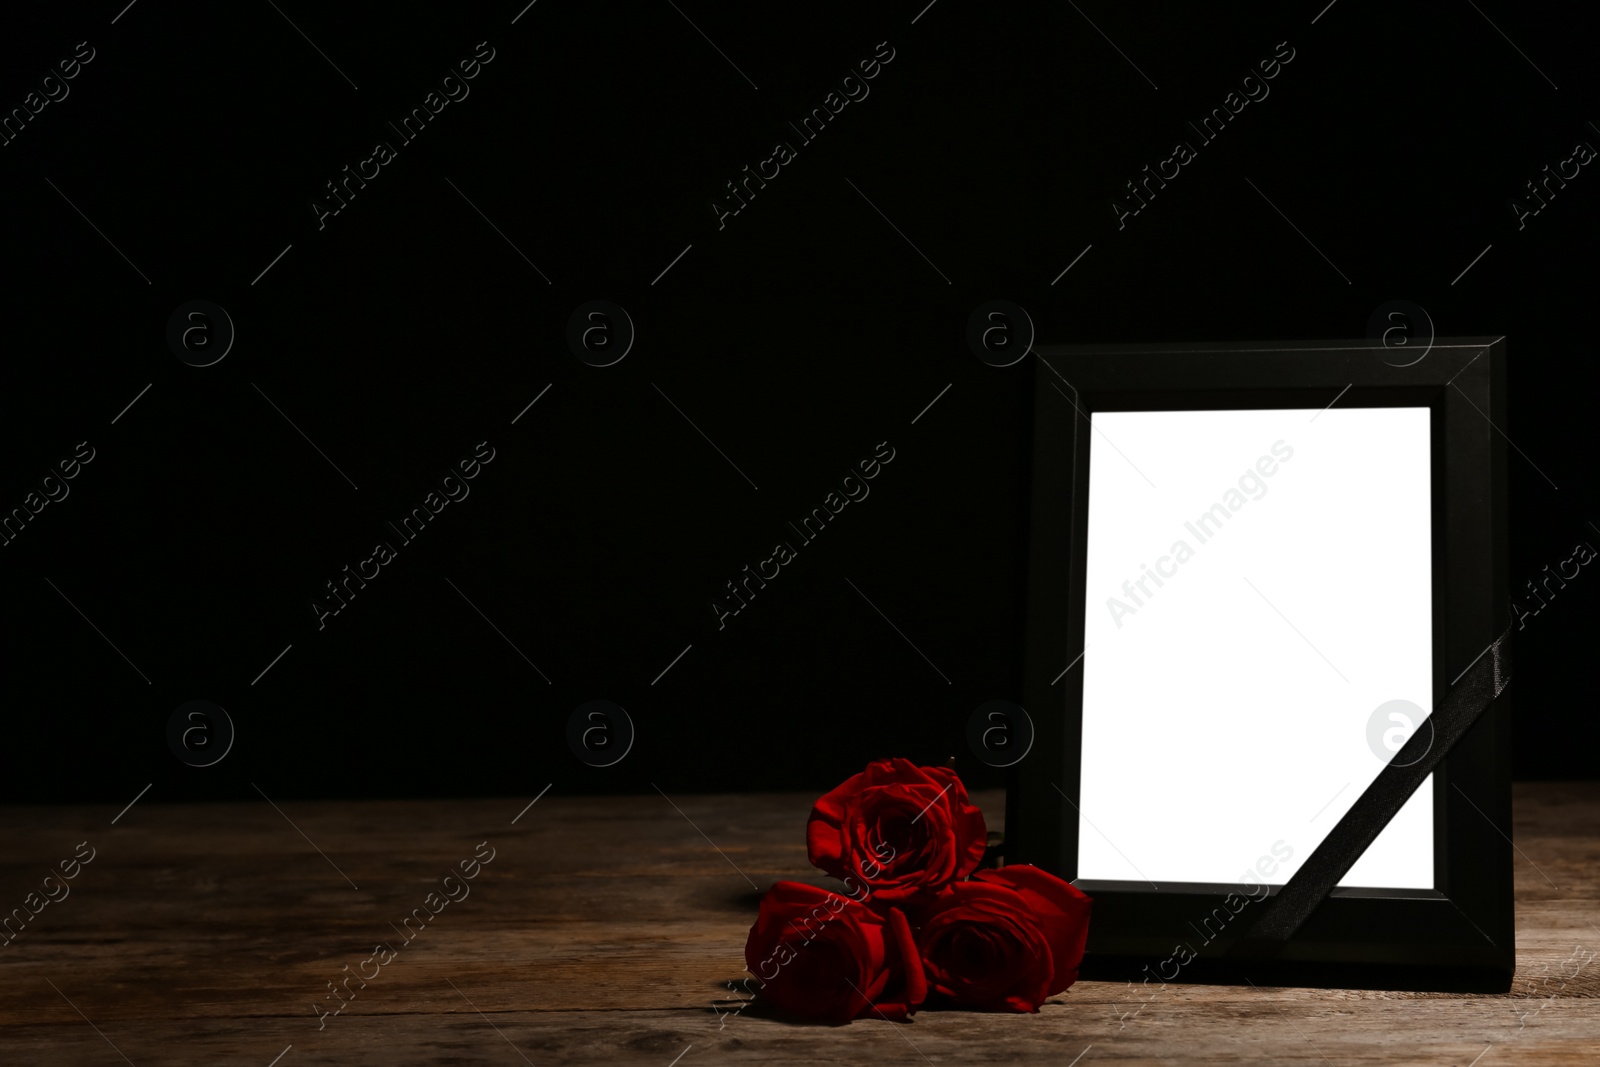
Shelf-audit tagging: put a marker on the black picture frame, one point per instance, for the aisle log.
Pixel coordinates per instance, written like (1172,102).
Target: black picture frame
(1456,937)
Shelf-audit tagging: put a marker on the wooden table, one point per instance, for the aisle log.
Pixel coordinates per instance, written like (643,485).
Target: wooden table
(604,929)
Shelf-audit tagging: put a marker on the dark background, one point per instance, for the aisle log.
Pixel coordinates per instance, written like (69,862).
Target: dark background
(797,337)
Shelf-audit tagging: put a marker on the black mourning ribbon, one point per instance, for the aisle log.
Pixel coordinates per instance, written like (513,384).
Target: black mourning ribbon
(1330,861)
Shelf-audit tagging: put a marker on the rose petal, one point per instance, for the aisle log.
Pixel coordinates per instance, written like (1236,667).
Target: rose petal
(1060,908)
(916,983)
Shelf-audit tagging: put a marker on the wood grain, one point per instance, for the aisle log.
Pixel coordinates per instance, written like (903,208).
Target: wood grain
(606,929)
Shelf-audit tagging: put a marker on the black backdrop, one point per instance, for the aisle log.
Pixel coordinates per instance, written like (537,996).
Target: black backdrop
(773,352)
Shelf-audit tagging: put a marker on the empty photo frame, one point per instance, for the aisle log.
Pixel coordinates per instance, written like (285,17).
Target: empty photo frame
(1265,648)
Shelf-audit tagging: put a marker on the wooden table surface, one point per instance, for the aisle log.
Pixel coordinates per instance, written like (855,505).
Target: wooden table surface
(603,930)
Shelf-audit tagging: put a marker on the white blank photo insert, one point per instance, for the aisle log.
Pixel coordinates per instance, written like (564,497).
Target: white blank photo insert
(1259,584)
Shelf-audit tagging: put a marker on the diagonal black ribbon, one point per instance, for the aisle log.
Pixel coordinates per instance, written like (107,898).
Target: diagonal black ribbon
(1330,861)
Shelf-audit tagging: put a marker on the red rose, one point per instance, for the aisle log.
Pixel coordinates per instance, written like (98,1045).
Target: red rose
(1005,940)
(905,831)
(823,956)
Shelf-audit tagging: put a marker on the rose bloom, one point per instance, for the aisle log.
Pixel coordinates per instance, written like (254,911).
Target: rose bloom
(903,830)
(1005,940)
(823,956)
